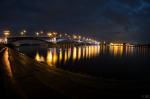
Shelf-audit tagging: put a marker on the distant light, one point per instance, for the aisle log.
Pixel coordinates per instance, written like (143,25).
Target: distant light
(55,33)
(66,34)
(74,37)
(49,34)
(60,35)
(104,42)
(116,44)
(37,33)
(41,32)
(111,44)
(6,33)
(79,37)
(24,31)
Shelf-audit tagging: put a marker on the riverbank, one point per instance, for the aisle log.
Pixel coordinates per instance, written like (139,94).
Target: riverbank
(27,78)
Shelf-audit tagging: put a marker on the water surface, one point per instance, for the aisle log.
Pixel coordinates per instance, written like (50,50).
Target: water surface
(115,62)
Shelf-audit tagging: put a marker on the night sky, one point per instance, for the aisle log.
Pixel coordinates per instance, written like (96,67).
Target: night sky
(110,20)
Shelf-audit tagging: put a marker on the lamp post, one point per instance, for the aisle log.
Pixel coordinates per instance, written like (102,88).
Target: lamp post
(49,34)
(37,33)
(6,34)
(74,37)
(60,35)
(23,32)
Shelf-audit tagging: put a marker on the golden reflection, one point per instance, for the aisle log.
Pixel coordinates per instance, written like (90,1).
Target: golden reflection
(60,55)
(129,50)
(92,49)
(116,50)
(7,63)
(54,57)
(69,53)
(65,56)
(83,52)
(49,57)
(87,51)
(39,58)
(42,59)
(98,49)
(79,53)
(75,53)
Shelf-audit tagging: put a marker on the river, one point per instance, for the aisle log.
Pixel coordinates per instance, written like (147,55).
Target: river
(112,62)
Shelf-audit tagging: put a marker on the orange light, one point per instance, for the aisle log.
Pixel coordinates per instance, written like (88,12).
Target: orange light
(49,34)
(6,33)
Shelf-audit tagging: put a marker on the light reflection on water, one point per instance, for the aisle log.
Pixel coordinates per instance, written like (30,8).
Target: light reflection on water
(74,54)
(116,50)
(7,63)
(98,60)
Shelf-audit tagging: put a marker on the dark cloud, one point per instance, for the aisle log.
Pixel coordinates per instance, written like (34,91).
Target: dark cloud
(126,20)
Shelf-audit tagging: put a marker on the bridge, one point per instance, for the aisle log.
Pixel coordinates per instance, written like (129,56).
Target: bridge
(19,40)
(50,37)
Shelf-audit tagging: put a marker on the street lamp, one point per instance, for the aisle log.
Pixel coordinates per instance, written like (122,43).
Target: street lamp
(49,34)
(22,33)
(6,33)
(55,33)
(79,37)
(37,33)
(66,34)
(74,37)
